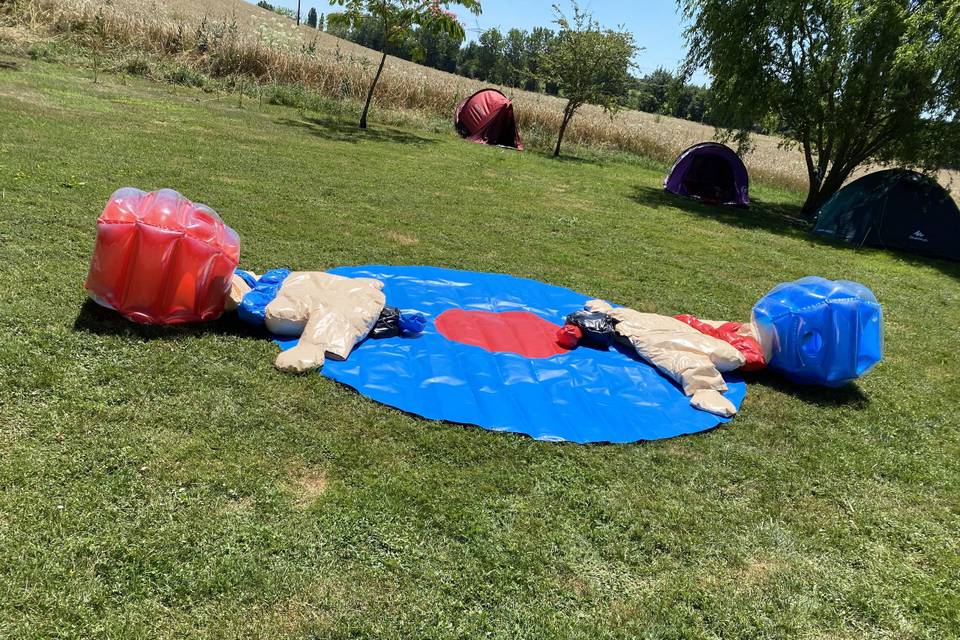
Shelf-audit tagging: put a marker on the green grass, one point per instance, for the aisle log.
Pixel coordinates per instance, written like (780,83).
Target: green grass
(171,483)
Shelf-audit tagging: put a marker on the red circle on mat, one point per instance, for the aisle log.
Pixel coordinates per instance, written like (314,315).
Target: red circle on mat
(519,332)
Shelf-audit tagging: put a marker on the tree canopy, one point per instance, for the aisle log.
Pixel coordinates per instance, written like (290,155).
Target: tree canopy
(589,64)
(399,20)
(849,82)
(514,59)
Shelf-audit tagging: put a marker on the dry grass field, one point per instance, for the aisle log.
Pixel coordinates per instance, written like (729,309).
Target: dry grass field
(256,42)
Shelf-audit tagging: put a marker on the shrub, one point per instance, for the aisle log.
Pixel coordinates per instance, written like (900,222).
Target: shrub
(43,51)
(137,66)
(186,76)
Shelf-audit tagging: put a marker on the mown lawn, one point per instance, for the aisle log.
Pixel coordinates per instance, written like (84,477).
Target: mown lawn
(171,483)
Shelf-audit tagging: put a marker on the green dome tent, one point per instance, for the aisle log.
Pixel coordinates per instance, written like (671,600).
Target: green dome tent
(897,209)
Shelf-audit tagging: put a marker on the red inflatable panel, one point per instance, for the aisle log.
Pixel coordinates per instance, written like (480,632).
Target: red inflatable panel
(520,332)
(746,345)
(161,259)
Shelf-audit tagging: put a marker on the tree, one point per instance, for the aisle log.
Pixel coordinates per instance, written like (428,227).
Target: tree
(653,91)
(263,4)
(320,22)
(298,13)
(399,18)
(849,82)
(467,60)
(369,32)
(538,43)
(590,64)
(439,50)
(695,103)
(490,56)
(312,18)
(514,51)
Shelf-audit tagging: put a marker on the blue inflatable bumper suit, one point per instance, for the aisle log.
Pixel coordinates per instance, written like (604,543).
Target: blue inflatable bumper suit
(821,331)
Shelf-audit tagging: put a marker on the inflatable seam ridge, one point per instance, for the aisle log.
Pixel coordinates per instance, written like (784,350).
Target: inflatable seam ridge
(811,307)
(161,227)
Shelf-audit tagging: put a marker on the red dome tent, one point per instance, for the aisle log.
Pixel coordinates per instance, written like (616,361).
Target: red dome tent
(487,117)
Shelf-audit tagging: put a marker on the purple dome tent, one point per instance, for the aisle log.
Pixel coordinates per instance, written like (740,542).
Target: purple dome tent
(710,172)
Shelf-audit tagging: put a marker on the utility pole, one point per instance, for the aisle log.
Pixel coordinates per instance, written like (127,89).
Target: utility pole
(298,13)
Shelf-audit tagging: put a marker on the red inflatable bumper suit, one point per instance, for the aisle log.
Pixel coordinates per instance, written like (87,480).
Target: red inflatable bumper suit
(161,259)
(728,332)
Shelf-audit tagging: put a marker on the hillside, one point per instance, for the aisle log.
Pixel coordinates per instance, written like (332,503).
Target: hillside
(334,66)
(408,85)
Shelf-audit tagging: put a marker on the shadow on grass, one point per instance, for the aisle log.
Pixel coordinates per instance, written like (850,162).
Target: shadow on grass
(573,159)
(599,157)
(98,320)
(849,395)
(779,218)
(341,131)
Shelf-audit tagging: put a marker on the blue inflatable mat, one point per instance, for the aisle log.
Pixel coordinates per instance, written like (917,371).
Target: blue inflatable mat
(585,395)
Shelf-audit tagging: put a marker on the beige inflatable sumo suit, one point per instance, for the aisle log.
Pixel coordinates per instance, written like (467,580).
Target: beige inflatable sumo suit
(693,359)
(330,313)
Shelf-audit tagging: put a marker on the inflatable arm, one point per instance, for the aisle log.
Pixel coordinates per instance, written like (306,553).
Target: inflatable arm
(692,359)
(330,313)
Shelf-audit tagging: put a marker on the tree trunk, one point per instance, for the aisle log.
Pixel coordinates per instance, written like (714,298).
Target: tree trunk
(813,202)
(567,116)
(820,192)
(298,13)
(373,85)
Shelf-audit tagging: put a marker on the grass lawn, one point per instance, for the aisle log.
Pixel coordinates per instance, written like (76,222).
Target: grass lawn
(171,483)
